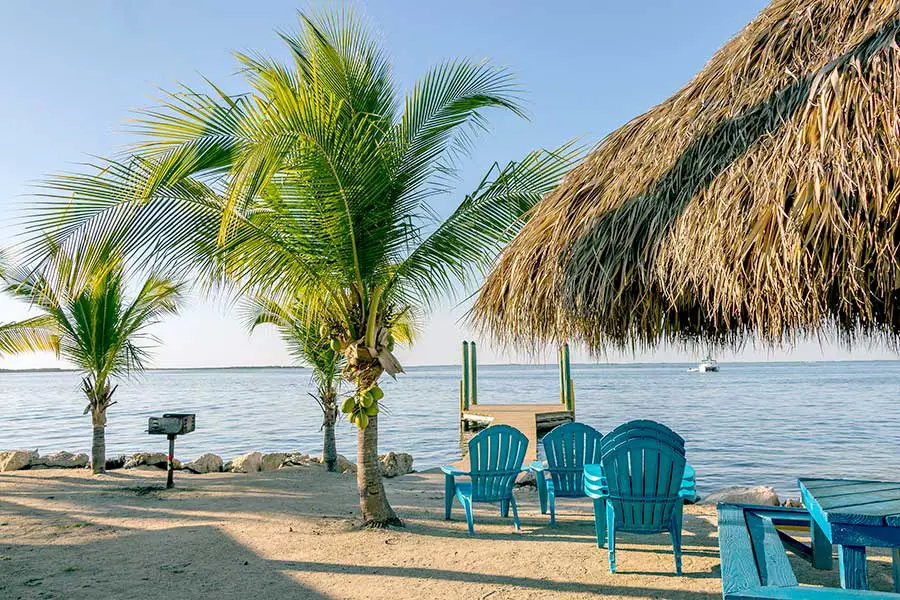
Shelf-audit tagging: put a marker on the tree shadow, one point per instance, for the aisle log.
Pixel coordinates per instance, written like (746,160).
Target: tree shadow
(515,581)
(181,562)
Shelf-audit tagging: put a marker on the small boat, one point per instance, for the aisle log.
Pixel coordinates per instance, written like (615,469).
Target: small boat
(707,365)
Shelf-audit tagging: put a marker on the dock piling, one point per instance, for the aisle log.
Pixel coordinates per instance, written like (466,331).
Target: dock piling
(473,375)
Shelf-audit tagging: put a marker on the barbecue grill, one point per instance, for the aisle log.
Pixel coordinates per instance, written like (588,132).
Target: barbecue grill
(171,425)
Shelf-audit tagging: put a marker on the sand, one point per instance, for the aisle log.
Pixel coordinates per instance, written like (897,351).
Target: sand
(294,533)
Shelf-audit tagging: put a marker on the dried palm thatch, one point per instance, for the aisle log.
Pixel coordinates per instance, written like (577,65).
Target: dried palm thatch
(759,202)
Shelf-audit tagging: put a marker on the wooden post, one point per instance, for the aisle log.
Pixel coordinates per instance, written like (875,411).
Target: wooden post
(566,390)
(473,374)
(562,376)
(464,389)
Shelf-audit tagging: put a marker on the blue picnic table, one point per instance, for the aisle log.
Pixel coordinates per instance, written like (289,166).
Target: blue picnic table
(853,514)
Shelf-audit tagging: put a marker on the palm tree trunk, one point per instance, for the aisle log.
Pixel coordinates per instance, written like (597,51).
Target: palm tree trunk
(98,446)
(373,502)
(329,449)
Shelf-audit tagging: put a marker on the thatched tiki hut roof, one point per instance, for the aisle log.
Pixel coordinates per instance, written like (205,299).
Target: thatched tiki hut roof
(761,199)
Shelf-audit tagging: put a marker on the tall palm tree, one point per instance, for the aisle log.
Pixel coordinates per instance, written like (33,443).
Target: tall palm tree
(91,323)
(318,184)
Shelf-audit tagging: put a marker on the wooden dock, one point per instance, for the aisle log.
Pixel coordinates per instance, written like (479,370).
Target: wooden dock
(527,418)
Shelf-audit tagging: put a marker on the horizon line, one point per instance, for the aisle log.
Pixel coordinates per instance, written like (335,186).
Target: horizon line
(510,364)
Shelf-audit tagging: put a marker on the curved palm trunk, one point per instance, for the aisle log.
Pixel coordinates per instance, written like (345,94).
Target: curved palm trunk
(329,447)
(98,445)
(373,502)
(98,394)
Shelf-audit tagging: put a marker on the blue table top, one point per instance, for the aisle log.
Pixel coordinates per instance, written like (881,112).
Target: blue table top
(853,502)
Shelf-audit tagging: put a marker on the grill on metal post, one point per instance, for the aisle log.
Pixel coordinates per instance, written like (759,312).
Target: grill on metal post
(171,425)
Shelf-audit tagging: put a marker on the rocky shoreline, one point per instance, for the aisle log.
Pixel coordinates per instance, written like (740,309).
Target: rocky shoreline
(392,464)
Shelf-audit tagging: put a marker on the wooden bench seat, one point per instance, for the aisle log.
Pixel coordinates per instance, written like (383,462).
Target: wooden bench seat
(754,562)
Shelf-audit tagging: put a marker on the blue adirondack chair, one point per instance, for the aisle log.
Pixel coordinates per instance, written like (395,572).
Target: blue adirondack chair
(643,479)
(567,448)
(495,459)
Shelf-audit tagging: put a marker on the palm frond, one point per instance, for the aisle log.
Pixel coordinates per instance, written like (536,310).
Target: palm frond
(30,335)
(467,242)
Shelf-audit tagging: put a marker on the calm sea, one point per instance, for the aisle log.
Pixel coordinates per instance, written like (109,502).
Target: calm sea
(751,423)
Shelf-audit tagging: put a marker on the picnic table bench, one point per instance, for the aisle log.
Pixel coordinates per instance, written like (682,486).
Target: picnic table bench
(754,563)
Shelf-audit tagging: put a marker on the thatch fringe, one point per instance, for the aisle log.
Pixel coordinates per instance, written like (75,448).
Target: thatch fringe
(759,201)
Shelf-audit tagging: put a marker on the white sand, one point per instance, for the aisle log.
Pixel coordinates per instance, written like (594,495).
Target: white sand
(294,533)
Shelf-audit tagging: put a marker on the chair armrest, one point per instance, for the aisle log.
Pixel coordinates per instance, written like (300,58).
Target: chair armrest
(453,471)
(537,467)
(688,484)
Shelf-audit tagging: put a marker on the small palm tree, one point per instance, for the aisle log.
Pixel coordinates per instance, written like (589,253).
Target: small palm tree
(308,337)
(319,184)
(90,323)
(308,342)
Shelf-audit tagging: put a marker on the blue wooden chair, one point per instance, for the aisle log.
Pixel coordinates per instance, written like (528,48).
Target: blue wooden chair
(643,478)
(495,459)
(567,448)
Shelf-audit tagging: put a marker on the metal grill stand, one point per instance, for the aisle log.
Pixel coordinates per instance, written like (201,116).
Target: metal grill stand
(171,425)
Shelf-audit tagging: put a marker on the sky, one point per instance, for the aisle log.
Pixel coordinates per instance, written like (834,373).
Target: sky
(75,70)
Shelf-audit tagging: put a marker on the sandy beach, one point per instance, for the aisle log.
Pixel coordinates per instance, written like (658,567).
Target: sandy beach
(294,533)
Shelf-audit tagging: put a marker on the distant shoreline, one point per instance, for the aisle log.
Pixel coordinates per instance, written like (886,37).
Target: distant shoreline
(515,365)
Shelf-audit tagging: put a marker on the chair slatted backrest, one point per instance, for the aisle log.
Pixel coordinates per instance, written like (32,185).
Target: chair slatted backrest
(643,462)
(568,448)
(495,458)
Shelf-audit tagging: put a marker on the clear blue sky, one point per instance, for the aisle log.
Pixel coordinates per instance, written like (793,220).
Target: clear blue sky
(74,70)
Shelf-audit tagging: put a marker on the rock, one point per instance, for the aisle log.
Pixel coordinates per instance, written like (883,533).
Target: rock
(150,459)
(247,463)
(13,460)
(296,459)
(793,503)
(392,464)
(208,463)
(344,465)
(272,461)
(527,479)
(116,462)
(759,494)
(65,460)
(228,466)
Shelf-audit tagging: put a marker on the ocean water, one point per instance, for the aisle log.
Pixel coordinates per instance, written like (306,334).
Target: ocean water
(751,423)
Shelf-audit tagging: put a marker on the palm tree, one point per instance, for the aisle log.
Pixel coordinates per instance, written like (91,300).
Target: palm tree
(308,339)
(87,319)
(309,343)
(319,184)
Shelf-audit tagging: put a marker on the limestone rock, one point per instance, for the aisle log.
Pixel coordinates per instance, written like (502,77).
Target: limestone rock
(759,494)
(208,463)
(150,459)
(228,466)
(296,459)
(793,503)
(13,460)
(116,462)
(344,465)
(527,479)
(393,464)
(270,462)
(65,460)
(247,463)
